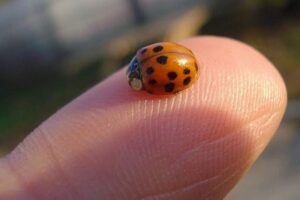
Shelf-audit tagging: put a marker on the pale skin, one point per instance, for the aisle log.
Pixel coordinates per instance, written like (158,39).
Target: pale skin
(116,143)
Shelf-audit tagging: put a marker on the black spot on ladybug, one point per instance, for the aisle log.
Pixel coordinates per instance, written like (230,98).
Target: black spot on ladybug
(187,80)
(186,71)
(143,50)
(169,87)
(152,82)
(162,60)
(172,75)
(157,48)
(149,70)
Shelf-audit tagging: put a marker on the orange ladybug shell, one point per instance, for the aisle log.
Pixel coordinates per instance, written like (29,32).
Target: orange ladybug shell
(167,68)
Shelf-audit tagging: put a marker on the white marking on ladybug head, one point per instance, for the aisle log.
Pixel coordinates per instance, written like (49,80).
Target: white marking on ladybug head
(136,84)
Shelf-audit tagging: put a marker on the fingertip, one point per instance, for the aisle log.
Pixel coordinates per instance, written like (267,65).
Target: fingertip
(219,125)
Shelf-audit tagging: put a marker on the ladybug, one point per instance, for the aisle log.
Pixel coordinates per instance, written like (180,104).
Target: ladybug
(162,68)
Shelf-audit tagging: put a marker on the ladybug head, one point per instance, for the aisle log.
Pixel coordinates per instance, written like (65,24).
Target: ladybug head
(134,76)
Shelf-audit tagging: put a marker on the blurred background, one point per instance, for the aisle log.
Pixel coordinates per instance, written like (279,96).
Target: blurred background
(53,50)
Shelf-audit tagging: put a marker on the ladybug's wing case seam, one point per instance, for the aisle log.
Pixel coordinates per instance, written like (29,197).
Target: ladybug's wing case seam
(165,47)
(159,54)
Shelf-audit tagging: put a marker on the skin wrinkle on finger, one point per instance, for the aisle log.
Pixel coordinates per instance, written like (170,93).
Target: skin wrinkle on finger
(262,121)
(173,194)
(18,174)
(10,186)
(37,132)
(29,193)
(169,194)
(115,143)
(67,183)
(234,175)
